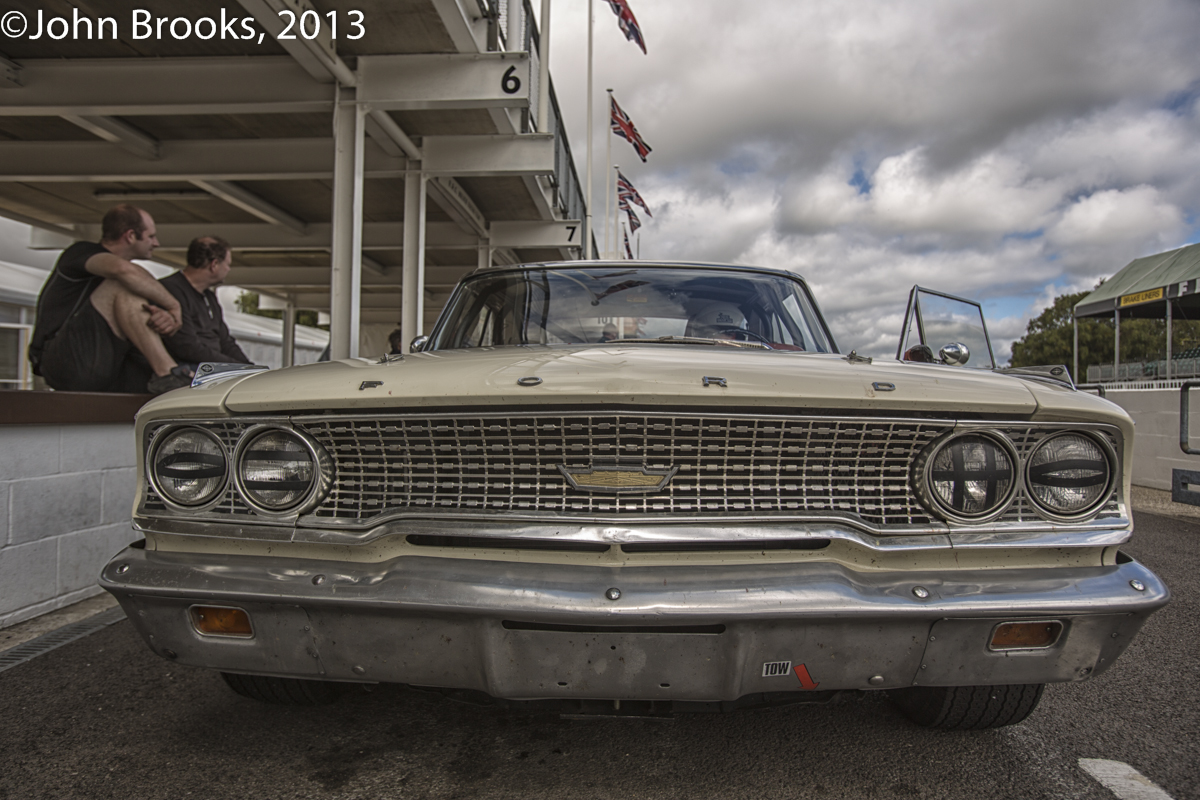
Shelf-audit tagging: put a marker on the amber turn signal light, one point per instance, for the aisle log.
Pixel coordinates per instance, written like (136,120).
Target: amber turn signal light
(1026,635)
(221,621)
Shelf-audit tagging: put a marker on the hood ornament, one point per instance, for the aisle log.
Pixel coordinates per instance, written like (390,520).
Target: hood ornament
(617,476)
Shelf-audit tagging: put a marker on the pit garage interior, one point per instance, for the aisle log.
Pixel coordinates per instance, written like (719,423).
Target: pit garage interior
(358,176)
(361,177)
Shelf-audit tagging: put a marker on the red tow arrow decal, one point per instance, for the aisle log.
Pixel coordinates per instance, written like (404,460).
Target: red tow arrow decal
(806,680)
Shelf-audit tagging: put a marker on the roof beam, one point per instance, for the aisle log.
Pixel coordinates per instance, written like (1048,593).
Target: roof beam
(298,278)
(254,236)
(466,26)
(267,159)
(248,201)
(441,81)
(556,233)
(390,137)
(161,86)
(468,156)
(183,160)
(121,134)
(454,200)
(318,56)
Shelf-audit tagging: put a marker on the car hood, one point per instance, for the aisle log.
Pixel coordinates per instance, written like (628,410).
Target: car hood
(646,374)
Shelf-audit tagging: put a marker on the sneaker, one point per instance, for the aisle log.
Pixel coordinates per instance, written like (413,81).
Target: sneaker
(177,378)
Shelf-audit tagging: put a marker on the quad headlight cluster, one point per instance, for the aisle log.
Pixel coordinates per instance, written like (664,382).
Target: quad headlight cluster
(973,477)
(275,469)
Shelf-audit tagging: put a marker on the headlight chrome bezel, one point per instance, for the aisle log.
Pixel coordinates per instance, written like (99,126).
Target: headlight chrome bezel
(930,498)
(1021,491)
(1111,463)
(161,438)
(318,488)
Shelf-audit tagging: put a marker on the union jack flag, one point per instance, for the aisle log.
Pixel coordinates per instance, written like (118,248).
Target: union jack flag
(622,126)
(634,222)
(625,189)
(628,22)
(628,251)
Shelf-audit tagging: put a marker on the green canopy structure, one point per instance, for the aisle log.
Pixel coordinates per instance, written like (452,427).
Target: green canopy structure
(1153,287)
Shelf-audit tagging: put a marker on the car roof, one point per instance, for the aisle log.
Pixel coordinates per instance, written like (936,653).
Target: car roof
(626,264)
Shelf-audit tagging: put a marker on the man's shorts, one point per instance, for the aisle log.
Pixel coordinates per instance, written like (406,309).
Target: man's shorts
(86,356)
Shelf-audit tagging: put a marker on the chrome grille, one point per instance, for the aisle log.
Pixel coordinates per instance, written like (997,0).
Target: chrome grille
(727,465)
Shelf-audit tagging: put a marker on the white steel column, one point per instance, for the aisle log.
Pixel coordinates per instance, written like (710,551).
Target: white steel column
(608,209)
(346,280)
(289,332)
(1117,348)
(485,254)
(516,25)
(412,311)
(543,125)
(1075,347)
(588,250)
(1168,338)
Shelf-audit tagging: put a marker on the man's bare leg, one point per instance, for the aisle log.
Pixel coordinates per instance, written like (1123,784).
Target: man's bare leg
(126,317)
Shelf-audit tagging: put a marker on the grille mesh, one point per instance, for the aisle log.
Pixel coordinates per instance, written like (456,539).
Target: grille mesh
(726,465)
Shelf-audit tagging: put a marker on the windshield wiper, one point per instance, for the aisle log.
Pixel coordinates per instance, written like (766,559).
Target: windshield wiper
(696,340)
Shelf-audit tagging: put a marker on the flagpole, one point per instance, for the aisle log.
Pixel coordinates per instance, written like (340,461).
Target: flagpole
(589,249)
(608,184)
(616,212)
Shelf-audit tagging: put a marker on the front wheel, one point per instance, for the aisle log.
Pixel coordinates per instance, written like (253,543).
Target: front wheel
(284,691)
(968,708)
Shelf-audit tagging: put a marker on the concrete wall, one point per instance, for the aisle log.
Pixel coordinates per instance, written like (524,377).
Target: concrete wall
(66,496)
(1156,450)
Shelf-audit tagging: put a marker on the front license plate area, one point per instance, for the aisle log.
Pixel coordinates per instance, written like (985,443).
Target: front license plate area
(533,664)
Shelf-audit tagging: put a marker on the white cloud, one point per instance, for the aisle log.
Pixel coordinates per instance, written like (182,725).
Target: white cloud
(987,149)
(1118,217)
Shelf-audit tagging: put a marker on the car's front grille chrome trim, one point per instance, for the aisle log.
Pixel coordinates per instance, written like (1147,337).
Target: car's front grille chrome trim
(721,466)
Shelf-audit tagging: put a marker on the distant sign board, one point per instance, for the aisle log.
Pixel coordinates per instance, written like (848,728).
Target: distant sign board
(1141,297)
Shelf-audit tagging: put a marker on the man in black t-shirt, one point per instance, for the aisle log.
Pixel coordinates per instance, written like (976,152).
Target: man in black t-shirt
(100,317)
(204,335)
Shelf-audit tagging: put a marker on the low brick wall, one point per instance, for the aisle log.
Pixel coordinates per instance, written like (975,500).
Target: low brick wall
(66,496)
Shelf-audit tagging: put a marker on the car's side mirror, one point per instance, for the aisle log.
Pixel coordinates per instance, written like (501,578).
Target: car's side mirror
(955,354)
(418,344)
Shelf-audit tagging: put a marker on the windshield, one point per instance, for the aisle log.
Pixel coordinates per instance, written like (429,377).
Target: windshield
(601,304)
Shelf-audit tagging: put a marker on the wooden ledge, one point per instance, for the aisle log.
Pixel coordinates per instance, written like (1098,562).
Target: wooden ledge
(68,408)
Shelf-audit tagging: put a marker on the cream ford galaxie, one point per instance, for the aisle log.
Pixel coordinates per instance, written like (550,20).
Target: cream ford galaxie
(642,488)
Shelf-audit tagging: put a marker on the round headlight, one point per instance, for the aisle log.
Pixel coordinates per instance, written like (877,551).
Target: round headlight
(276,470)
(1069,474)
(970,478)
(189,467)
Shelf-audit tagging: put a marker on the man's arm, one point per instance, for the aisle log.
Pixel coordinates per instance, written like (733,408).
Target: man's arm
(194,342)
(141,283)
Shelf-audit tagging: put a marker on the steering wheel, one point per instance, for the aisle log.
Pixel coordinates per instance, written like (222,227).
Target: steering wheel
(743,335)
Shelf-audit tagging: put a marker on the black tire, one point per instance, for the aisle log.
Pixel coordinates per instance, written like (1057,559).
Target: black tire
(284,691)
(968,708)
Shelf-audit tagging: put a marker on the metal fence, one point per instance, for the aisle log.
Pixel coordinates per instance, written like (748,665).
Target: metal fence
(1144,370)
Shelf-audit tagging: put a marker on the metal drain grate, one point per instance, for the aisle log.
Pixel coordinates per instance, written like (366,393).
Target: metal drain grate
(54,639)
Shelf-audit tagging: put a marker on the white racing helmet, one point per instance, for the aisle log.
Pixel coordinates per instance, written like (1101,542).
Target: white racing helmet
(713,318)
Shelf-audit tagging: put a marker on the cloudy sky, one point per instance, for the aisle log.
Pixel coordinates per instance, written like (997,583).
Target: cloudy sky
(1007,152)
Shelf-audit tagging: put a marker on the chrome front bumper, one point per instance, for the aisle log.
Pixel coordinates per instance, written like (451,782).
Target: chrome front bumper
(526,631)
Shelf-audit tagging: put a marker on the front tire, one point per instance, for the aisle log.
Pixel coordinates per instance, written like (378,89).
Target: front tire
(968,708)
(284,691)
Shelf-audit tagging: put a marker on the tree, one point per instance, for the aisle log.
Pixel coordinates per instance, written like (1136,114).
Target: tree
(1048,338)
(247,303)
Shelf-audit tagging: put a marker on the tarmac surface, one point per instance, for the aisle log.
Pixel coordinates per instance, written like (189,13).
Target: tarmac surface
(103,717)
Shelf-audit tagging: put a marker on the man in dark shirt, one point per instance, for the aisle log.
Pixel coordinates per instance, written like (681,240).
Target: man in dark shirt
(203,335)
(98,311)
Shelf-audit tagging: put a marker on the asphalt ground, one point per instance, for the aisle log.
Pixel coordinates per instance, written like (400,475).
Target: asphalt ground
(103,717)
